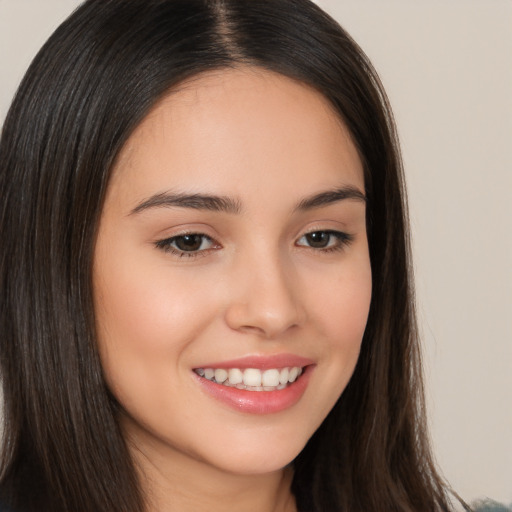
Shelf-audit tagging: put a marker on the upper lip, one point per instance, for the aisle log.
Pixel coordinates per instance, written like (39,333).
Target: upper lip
(262,362)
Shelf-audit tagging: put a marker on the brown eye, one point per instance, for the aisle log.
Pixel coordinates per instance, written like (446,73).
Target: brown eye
(318,239)
(325,240)
(189,242)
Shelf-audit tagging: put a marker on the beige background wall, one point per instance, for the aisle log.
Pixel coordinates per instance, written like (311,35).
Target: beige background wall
(447,66)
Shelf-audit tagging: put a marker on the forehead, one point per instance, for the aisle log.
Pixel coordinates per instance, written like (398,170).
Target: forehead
(246,122)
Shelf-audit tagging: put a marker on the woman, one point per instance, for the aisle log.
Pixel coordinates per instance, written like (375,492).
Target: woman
(206,299)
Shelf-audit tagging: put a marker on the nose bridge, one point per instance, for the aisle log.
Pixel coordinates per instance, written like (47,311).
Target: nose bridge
(265,297)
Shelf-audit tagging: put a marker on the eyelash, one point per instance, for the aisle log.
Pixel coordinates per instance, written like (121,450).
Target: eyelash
(166,245)
(342,240)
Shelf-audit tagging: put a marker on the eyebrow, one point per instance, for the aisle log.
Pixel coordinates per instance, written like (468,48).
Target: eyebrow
(330,196)
(195,201)
(232,205)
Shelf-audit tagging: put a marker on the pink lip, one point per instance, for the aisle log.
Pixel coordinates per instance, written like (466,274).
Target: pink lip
(258,402)
(262,362)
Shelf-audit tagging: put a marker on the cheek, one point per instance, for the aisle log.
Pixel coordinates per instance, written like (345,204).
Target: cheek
(342,305)
(354,306)
(145,320)
(138,297)
(341,313)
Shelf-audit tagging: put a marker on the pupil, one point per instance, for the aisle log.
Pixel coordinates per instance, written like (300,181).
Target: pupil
(189,242)
(318,239)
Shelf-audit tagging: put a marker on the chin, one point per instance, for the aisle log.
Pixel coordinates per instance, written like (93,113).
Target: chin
(257,456)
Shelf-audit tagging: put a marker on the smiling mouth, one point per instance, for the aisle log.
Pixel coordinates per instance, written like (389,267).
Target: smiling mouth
(252,379)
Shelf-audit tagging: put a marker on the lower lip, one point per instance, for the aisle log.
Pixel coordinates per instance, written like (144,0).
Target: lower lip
(259,402)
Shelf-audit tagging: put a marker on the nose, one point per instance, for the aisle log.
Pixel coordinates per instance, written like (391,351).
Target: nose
(266,300)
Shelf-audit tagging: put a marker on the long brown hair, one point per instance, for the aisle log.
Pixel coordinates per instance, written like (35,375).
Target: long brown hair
(87,89)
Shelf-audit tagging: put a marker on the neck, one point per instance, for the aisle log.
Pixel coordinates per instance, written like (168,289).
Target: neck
(174,481)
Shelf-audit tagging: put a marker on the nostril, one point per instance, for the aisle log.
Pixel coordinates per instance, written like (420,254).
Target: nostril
(267,319)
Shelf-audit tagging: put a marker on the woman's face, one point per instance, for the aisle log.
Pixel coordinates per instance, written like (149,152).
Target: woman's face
(232,255)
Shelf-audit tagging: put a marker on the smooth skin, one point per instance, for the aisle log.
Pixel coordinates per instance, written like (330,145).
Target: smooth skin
(178,286)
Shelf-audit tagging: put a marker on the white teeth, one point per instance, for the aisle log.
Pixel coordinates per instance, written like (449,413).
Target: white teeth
(252,379)
(283,376)
(221,375)
(235,376)
(270,378)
